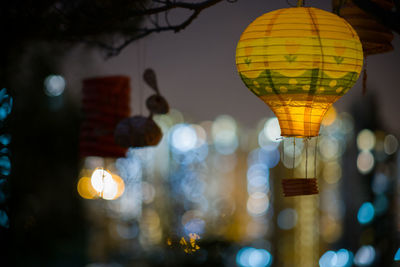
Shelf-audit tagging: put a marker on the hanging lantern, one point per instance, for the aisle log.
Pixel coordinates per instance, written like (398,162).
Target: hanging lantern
(105,102)
(299,61)
(374,36)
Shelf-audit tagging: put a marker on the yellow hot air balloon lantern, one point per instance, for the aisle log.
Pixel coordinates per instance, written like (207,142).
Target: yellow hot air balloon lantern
(299,61)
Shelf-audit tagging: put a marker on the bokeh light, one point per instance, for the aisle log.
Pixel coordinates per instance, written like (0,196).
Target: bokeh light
(365,256)
(366,140)
(54,85)
(330,116)
(257,204)
(329,148)
(287,219)
(365,162)
(272,130)
(224,133)
(397,255)
(258,178)
(380,183)
(183,138)
(390,144)
(341,258)
(365,213)
(86,190)
(100,178)
(252,257)
(381,204)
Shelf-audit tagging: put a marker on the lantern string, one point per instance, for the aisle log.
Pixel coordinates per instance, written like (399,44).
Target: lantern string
(283,151)
(364,84)
(294,153)
(139,76)
(300,3)
(315,157)
(306,144)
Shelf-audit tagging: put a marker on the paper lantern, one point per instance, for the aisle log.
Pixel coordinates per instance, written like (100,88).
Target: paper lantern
(105,102)
(299,61)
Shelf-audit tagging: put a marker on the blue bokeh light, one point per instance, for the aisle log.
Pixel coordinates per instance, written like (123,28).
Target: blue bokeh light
(183,138)
(365,256)
(5,139)
(4,219)
(397,255)
(252,257)
(366,213)
(341,258)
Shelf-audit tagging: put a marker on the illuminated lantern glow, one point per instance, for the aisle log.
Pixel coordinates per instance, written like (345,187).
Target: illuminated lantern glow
(299,61)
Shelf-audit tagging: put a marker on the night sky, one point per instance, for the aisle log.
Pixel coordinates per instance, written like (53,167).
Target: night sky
(197,73)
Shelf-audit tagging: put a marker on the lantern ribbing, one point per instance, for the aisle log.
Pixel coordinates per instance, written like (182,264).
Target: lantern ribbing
(299,61)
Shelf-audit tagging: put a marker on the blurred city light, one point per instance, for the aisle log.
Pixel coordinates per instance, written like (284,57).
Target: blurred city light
(365,213)
(54,85)
(332,172)
(86,190)
(272,130)
(5,139)
(381,204)
(330,116)
(397,255)
(183,138)
(287,219)
(257,204)
(390,144)
(4,222)
(365,162)
(327,258)
(341,258)
(258,178)
(365,256)
(100,178)
(252,257)
(224,133)
(6,103)
(329,148)
(366,140)
(380,183)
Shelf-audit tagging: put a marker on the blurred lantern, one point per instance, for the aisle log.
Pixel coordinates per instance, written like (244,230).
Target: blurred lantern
(105,102)
(141,131)
(299,61)
(374,36)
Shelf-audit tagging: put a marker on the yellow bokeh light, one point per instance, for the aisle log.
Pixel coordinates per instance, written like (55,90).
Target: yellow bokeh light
(86,190)
(102,184)
(330,116)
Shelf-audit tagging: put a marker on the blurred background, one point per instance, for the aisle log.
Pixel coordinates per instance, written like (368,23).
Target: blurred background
(209,194)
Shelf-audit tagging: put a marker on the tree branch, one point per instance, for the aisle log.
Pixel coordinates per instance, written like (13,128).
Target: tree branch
(167,6)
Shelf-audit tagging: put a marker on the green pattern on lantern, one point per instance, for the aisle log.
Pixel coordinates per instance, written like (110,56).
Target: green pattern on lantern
(313,82)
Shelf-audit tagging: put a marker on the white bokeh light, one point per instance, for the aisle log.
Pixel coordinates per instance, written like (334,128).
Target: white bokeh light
(54,85)
(183,137)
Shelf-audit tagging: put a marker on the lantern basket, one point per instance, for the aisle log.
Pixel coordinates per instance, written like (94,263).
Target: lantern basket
(299,186)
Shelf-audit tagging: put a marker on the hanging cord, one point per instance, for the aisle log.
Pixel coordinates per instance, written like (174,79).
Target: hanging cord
(139,76)
(315,157)
(300,3)
(294,153)
(306,144)
(283,151)
(364,84)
